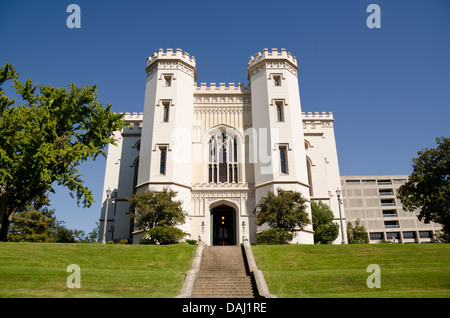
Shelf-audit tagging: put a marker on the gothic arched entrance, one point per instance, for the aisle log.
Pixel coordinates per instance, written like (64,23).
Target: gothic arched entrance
(223,219)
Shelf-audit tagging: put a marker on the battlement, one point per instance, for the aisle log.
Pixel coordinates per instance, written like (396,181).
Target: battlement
(222,88)
(317,115)
(133,116)
(273,54)
(170,54)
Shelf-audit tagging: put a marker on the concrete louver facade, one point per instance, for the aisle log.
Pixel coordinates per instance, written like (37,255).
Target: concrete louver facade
(221,148)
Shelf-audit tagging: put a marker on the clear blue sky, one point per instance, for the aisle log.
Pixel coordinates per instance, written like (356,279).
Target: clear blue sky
(388,88)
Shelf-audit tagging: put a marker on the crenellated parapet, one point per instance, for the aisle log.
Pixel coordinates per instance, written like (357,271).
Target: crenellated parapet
(317,115)
(274,59)
(170,54)
(221,94)
(171,59)
(133,123)
(133,116)
(221,88)
(317,120)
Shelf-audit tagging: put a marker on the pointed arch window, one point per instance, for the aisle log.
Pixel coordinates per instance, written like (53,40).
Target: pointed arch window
(166,109)
(308,168)
(223,154)
(280,111)
(283,160)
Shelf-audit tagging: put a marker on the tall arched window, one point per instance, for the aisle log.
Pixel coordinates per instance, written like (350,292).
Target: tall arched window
(222,165)
(136,172)
(308,168)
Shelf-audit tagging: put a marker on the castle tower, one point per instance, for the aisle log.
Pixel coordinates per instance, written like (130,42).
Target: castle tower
(165,154)
(277,126)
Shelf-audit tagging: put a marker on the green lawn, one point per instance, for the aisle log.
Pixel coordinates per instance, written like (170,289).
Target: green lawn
(407,270)
(39,270)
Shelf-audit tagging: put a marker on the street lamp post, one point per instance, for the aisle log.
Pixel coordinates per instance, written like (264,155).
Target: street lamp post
(338,192)
(108,194)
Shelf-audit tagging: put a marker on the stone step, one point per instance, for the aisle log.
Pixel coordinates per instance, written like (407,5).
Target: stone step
(223,274)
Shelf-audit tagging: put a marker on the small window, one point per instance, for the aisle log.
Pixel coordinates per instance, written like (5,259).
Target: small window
(387,202)
(376,236)
(384,182)
(386,192)
(277,80)
(166,109)
(425,234)
(283,160)
(168,81)
(392,235)
(391,224)
(280,111)
(389,213)
(409,235)
(162,160)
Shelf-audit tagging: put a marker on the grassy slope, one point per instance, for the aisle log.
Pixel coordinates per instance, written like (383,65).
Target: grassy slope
(413,270)
(39,270)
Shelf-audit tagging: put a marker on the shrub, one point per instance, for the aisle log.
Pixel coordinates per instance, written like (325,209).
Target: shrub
(274,236)
(163,235)
(123,241)
(191,242)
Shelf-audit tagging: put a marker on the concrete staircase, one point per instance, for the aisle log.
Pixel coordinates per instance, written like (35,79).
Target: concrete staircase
(223,274)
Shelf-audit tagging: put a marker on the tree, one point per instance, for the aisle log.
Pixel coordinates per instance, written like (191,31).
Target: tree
(325,230)
(428,187)
(152,209)
(286,210)
(43,140)
(357,234)
(35,223)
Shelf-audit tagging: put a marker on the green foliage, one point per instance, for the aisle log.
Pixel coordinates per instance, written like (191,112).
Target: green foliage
(286,210)
(274,236)
(35,223)
(43,140)
(123,241)
(163,235)
(428,187)
(325,230)
(156,208)
(357,234)
(191,242)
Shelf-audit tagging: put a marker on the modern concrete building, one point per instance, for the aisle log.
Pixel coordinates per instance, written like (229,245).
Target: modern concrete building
(221,148)
(372,199)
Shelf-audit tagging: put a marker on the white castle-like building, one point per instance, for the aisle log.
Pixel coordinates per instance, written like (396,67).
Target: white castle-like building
(221,148)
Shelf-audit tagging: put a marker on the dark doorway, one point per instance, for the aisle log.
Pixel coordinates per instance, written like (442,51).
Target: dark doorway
(224,228)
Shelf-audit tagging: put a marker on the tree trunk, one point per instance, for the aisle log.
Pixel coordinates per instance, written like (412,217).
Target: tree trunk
(5,218)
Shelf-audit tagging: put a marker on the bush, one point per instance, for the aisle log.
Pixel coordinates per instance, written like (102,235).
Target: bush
(274,236)
(191,242)
(163,235)
(123,241)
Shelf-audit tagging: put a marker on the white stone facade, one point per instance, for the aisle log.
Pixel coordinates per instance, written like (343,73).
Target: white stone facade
(221,148)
